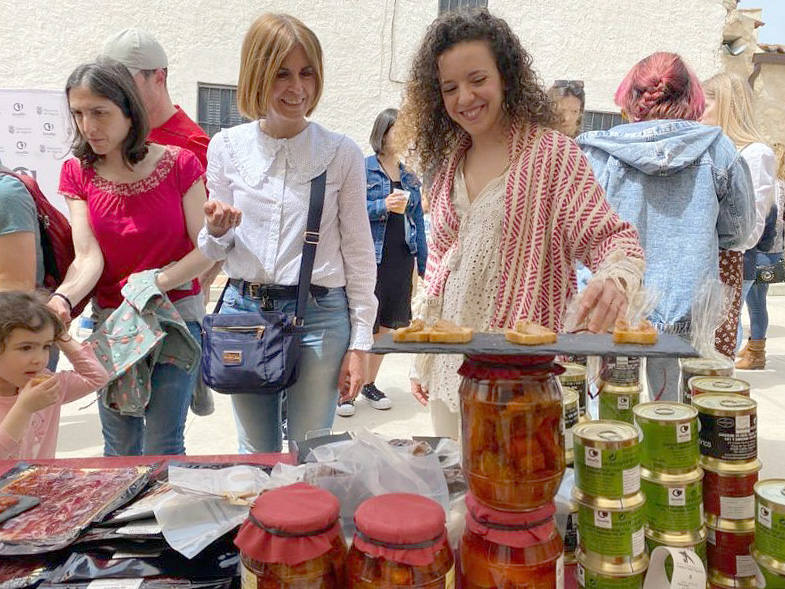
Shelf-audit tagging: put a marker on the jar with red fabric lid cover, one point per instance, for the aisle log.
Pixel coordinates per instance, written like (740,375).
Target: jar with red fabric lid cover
(400,542)
(292,540)
(505,550)
(512,434)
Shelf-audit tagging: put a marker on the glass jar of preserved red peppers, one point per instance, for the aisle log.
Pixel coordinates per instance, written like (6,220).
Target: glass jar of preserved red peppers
(292,539)
(502,549)
(513,440)
(400,542)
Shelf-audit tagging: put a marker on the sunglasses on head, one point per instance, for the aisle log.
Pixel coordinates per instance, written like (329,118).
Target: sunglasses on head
(574,85)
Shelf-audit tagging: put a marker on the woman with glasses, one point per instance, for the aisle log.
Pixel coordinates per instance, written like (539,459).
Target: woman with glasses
(569,102)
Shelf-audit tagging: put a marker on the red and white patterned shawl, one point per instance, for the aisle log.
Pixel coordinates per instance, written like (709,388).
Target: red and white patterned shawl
(555,214)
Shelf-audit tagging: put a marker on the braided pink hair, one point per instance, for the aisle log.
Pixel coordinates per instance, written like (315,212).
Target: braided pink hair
(660,86)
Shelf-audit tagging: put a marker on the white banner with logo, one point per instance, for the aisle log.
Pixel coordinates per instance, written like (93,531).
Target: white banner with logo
(35,136)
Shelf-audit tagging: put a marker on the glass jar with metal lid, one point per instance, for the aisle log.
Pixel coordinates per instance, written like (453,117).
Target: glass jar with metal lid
(400,542)
(512,430)
(292,538)
(607,458)
(611,527)
(728,546)
(700,385)
(729,487)
(728,426)
(595,571)
(670,436)
(701,367)
(770,518)
(674,502)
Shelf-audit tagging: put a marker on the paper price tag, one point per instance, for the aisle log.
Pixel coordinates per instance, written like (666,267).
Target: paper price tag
(688,570)
(115,584)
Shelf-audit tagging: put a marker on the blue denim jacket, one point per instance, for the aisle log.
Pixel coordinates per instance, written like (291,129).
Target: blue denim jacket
(379,188)
(687,191)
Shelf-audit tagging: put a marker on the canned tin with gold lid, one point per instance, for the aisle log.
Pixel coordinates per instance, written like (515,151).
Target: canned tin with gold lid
(700,385)
(729,487)
(728,546)
(574,378)
(596,571)
(770,518)
(611,527)
(670,436)
(694,540)
(607,458)
(673,501)
(718,580)
(616,402)
(729,426)
(701,367)
(620,370)
(773,570)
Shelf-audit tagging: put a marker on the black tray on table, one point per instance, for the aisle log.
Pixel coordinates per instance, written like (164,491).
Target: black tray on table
(567,344)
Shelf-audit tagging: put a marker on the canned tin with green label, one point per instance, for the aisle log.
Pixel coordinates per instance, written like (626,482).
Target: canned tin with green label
(574,378)
(728,426)
(570,405)
(701,367)
(611,527)
(717,385)
(770,518)
(674,502)
(694,540)
(597,572)
(670,436)
(620,370)
(773,570)
(617,401)
(607,458)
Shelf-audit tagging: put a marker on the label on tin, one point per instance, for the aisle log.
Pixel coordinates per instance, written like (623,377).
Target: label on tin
(631,479)
(764,516)
(593,458)
(602,519)
(742,423)
(745,566)
(688,570)
(729,438)
(639,541)
(737,507)
(580,573)
(677,497)
(683,433)
(770,532)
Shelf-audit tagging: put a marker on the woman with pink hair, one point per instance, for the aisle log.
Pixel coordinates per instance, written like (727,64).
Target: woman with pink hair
(683,186)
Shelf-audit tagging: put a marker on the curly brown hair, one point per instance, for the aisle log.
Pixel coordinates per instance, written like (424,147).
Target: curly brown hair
(424,133)
(26,310)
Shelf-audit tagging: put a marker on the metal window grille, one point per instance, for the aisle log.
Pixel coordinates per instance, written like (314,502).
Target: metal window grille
(218,108)
(447,5)
(595,120)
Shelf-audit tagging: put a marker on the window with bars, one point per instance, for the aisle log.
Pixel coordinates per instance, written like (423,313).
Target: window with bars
(597,120)
(218,108)
(447,5)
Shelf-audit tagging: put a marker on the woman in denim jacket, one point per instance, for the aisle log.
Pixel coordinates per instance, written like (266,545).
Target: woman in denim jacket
(398,230)
(682,184)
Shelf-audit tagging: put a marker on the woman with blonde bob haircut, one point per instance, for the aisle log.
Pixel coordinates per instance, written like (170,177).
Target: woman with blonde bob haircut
(261,172)
(729,105)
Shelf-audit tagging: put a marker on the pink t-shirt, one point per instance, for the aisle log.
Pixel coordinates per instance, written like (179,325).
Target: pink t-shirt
(40,439)
(139,226)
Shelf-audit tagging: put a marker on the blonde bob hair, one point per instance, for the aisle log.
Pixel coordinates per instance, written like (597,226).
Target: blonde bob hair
(733,101)
(265,46)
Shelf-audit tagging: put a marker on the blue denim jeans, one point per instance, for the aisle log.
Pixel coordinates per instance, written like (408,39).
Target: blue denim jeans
(754,295)
(312,399)
(161,429)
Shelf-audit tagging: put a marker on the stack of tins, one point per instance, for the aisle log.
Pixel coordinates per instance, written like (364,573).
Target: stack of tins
(716,385)
(701,367)
(573,387)
(611,546)
(620,387)
(729,457)
(512,434)
(769,548)
(671,479)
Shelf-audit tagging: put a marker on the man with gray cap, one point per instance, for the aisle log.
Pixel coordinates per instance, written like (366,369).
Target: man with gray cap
(144,57)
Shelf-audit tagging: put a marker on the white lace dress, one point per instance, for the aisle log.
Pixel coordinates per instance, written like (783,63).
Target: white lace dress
(470,290)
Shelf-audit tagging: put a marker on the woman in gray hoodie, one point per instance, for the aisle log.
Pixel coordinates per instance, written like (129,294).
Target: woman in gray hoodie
(682,184)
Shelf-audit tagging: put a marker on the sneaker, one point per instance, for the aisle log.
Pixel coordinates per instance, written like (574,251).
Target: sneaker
(346,409)
(376,398)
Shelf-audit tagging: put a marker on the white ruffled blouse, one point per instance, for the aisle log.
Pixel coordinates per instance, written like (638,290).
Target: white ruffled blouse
(268,179)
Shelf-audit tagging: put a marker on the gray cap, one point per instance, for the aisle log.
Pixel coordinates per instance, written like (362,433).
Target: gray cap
(137,50)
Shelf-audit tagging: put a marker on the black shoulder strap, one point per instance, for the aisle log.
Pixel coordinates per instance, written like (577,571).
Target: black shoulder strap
(309,245)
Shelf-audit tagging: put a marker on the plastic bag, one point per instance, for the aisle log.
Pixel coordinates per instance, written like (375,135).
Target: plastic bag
(710,307)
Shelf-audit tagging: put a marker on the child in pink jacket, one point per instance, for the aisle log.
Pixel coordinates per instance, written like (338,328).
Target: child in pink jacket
(31,395)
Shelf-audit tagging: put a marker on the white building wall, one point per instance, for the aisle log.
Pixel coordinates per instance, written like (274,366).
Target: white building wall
(368,43)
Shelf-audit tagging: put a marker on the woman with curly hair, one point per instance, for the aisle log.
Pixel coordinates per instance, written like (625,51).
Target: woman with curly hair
(513,205)
(683,186)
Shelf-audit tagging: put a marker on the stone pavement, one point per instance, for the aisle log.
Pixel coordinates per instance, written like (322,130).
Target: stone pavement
(80,432)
